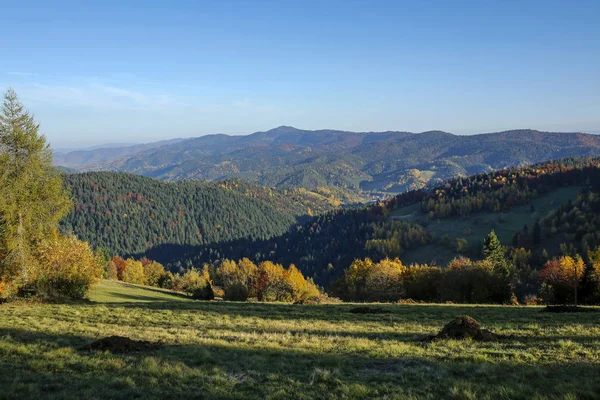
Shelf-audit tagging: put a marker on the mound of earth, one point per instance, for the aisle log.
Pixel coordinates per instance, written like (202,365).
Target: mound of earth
(369,310)
(120,344)
(567,309)
(465,327)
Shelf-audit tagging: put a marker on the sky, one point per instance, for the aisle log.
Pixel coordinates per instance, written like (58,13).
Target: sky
(141,71)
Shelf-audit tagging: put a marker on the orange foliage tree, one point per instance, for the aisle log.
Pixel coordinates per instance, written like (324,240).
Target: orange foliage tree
(561,278)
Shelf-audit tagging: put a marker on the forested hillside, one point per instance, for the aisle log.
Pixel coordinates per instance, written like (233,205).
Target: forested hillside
(357,163)
(408,226)
(130,214)
(541,211)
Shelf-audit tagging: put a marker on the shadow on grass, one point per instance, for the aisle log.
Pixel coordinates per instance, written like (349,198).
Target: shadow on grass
(228,371)
(155,290)
(134,297)
(429,313)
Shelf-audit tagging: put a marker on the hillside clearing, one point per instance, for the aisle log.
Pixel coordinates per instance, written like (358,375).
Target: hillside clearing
(476,226)
(231,350)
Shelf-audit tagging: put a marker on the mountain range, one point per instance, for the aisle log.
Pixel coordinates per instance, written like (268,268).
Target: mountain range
(352,162)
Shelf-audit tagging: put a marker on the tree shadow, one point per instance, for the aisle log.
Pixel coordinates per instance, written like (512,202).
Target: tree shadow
(230,371)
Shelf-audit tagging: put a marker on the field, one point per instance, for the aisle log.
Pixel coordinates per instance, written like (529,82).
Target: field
(226,350)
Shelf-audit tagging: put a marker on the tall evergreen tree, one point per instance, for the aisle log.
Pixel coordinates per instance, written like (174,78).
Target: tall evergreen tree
(492,249)
(32,199)
(494,253)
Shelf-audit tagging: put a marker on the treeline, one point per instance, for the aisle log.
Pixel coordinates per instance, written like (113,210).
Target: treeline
(235,281)
(494,279)
(34,259)
(324,246)
(504,189)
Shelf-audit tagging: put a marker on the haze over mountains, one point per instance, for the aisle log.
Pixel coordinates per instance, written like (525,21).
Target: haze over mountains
(357,162)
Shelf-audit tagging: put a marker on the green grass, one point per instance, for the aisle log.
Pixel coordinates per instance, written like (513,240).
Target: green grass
(226,350)
(118,292)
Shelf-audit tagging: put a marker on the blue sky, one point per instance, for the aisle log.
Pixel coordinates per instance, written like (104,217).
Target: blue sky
(138,71)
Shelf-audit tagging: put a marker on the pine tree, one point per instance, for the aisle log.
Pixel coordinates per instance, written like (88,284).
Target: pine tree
(32,199)
(492,249)
(494,253)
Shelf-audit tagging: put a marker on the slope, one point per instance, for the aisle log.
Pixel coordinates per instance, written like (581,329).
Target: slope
(129,214)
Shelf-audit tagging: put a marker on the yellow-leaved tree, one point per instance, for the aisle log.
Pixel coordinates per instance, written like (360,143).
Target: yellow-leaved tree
(561,278)
(67,267)
(384,281)
(303,290)
(134,273)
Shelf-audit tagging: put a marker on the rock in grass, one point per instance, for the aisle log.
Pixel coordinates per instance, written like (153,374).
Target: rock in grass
(120,344)
(369,310)
(465,327)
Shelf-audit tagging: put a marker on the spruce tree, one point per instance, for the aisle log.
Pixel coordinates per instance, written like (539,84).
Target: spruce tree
(492,249)
(494,253)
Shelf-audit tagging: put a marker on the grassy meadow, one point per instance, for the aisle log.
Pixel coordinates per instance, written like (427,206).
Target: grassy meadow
(224,350)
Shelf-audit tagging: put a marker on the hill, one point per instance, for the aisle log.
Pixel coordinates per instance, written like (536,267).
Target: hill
(228,350)
(361,163)
(434,226)
(96,154)
(130,214)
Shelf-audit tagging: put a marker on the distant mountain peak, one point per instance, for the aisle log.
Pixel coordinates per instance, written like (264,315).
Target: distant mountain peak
(283,128)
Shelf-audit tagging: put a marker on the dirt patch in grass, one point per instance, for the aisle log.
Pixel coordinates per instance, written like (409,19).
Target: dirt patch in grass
(567,309)
(120,344)
(369,310)
(464,327)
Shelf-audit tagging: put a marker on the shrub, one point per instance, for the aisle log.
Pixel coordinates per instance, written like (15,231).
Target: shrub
(531,300)
(197,284)
(204,292)
(166,280)
(236,292)
(66,267)
(7,289)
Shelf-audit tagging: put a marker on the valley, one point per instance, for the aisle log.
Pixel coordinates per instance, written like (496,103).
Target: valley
(309,200)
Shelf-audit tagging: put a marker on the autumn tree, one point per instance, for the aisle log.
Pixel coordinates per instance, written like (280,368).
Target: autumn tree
(249,271)
(356,278)
(120,267)
(196,283)
(562,277)
(153,272)
(134,272)
(273,284)
(384,281)
(303,290)
(67,267)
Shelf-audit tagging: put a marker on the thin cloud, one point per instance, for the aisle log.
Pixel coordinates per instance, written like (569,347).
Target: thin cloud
(94,95)
(15,73)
